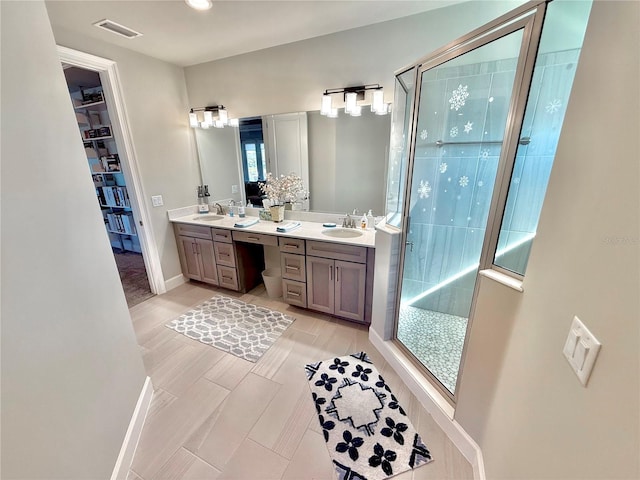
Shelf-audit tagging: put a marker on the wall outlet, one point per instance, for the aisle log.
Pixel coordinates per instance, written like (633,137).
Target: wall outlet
(581,350)
(156,200)
(234,188)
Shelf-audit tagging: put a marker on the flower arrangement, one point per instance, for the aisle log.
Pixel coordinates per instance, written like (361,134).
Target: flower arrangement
(287,188)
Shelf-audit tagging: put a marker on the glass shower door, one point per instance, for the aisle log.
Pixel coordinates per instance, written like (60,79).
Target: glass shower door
(462,109)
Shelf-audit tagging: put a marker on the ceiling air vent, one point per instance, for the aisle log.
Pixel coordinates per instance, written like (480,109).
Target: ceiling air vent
(114,27)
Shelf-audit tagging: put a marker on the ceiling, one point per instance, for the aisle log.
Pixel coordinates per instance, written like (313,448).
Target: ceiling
(175,33)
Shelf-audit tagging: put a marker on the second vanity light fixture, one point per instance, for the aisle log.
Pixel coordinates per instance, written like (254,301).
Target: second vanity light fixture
(351,97)
(212,116)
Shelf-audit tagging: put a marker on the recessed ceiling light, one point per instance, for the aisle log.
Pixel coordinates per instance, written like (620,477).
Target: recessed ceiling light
(199,4)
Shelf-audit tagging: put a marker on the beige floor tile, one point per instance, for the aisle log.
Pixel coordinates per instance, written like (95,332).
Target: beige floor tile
(183,465)
(235,419)
(161,400)
(255,462)
(311,460)
(192,369)
(229,371)
(273,359)
(165,432)
(283,423)
(132,476)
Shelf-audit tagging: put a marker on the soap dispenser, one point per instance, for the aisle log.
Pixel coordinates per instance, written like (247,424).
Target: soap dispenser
(363,222)
(370,220)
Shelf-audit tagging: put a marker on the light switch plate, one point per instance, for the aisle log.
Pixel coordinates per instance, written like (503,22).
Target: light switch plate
(234,188)
(581,349)
(156,200)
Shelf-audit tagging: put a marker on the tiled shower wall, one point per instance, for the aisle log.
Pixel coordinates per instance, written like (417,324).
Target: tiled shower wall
(448,237)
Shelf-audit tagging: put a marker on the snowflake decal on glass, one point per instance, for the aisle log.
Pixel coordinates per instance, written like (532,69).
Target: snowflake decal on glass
(481,183)
(453,132)
(424,189)
(484,153)
(463,181)
(516,181)
(468,127)
(449,179)
(424,134)
(553,106)
(443,167)
(459,97)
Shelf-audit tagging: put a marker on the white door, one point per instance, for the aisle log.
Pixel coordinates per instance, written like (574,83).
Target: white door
(287,145)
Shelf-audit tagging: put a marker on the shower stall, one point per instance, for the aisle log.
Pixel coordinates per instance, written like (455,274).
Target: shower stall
(474,133)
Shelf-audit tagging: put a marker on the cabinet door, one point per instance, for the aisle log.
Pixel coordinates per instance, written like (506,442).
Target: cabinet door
(189,257)
(350,288)
(208,261)
(320,284)
(225,254)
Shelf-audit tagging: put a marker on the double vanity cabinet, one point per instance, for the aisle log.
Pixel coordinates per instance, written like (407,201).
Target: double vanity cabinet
(323,274)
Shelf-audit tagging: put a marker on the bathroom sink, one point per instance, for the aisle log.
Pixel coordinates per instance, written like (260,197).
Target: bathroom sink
(208,218)
(342,232)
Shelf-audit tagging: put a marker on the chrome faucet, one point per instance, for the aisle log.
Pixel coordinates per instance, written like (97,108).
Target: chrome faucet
(219,209)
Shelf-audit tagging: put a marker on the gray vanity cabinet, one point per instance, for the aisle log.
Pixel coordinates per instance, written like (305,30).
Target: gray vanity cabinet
(197,254)
(334,285)
(293,267)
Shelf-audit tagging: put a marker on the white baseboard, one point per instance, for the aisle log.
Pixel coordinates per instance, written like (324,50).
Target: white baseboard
(174,282)
(433,402)
(130,443)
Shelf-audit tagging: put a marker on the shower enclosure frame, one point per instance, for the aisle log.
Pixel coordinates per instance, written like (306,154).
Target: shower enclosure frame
(530,18)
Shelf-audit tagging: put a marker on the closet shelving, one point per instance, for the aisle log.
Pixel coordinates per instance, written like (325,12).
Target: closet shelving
(111,191)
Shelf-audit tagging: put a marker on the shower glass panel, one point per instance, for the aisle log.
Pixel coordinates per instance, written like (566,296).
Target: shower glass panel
(460,125)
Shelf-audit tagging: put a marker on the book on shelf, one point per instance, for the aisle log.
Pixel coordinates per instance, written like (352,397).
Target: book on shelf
(121,223)
(113,196)
(110,163)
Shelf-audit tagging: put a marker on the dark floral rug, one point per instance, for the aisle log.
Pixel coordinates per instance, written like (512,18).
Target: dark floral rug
(368,434)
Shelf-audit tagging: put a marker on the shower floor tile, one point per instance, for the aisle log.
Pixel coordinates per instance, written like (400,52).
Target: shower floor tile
(436,339)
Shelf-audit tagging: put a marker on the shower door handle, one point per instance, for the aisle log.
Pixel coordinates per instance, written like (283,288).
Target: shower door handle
(410,245)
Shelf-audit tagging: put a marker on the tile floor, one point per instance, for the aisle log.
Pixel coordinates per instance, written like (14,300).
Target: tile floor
(217,416)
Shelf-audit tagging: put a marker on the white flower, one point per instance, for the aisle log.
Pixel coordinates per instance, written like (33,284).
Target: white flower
(463,181)
(458,97)
(468,127)
(424,134)
(424,189)
(453,132)
(443,167)
(287,188)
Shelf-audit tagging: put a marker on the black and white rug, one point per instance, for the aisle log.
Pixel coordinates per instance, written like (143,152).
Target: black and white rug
(239,328)
(368,434)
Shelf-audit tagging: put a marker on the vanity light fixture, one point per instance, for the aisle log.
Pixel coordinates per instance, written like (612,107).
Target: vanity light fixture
(351,96)
(211,116)
(199,4)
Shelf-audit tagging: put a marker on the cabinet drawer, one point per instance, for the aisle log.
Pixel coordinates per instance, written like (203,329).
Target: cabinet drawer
(225,254)
(294,293)
(260,238)
(221,235)
(228,277)
(337,251)
(293,267)
(291,245)
(197,231)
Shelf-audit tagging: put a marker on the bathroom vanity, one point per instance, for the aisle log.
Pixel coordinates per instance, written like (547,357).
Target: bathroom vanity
(323,269)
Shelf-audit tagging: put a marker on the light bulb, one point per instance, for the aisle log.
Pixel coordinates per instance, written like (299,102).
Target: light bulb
(350,101)
(325,109)
(356,111)
(333,113)
(234,122)
(204,125)
(384,110)
(208,117)
(199,4)
(218,124)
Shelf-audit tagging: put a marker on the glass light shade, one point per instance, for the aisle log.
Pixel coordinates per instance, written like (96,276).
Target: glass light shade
(218,124)
(193,120)
(384,110)
(350,101)
(204,125)
(234,122)
(333,113)
(325,108)
(208,117)
(223,116)
(377,101)
(356,111)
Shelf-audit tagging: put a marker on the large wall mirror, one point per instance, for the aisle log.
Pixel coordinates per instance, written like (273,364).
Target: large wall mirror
(346,166)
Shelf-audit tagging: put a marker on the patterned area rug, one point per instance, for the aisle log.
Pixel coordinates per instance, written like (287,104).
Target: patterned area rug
(239,328)
(368,434)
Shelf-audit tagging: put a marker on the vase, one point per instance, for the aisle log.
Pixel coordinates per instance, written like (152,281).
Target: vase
(277,213)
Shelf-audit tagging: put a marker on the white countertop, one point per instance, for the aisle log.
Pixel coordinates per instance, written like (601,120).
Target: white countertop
(306,230)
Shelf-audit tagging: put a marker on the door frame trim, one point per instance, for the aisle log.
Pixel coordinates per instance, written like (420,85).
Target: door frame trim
(114,98)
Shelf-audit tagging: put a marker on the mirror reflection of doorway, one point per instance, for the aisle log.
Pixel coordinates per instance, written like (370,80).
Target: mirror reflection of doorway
(92,115)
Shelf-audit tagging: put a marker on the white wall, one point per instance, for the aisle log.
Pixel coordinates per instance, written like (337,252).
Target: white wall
(71,368)
(157,107)
(519,398)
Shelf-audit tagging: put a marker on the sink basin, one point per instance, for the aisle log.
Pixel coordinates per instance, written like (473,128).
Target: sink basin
(342,232)
(208,218)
